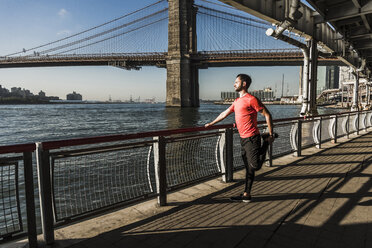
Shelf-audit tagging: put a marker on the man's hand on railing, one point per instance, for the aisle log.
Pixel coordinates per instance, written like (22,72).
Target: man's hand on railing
(269,138)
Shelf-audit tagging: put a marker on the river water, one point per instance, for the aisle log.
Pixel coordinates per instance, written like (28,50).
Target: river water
(35,123)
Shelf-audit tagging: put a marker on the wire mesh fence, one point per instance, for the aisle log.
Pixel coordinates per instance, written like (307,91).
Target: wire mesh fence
(238,161)
(191,159)
(10,213)
(84,183)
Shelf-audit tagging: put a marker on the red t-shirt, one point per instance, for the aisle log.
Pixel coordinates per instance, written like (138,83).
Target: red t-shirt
(246,109)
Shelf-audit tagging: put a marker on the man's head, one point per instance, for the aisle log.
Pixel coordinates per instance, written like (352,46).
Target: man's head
(242,81)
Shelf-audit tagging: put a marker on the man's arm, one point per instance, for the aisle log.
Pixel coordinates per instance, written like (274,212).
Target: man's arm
(269,120)
(219,118)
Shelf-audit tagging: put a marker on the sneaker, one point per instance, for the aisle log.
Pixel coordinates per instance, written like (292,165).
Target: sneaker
(241,198)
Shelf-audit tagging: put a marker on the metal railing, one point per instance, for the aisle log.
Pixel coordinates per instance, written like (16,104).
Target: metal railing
(83,177)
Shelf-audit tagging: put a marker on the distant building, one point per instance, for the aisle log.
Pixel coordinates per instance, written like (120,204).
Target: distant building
(3,91)
(289,99)
(229,96)
(74,96)
(328,78)
(332,77)
(42,94)
(267,94)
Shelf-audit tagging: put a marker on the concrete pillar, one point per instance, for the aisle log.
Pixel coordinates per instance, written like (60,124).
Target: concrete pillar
(182,75)
(355,103)
(313,78)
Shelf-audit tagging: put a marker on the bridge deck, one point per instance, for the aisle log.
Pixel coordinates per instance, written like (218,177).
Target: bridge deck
(322,199)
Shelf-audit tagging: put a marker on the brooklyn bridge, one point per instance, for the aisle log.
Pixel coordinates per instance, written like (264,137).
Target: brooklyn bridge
(183,37)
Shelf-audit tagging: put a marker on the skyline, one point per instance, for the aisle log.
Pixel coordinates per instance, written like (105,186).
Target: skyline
(99,82)
(277,93)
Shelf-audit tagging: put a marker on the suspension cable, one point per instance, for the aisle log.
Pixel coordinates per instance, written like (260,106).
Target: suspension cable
(126,32)
(102,33)
(218,4)
(106,23)
(232,20)
(234,15)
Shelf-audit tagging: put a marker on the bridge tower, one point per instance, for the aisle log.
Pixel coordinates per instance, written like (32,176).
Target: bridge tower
(182,74)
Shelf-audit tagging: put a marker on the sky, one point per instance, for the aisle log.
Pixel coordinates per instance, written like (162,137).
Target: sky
(26,24)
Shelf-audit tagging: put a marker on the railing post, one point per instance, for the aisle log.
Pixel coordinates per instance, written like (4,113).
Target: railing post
(335,127)
(348,126)
(270,152)
(229,170)
(160,169)
(319,145)
(357,124)
(30,199)
(299,137)
(45,193)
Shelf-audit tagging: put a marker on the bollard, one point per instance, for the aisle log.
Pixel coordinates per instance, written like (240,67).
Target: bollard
(45,193)
(160,170)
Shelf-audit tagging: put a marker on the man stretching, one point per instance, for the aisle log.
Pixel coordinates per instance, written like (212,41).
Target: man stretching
(246,107)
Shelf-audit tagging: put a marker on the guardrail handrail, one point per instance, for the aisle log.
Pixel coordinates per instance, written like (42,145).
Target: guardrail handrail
(18,148)
(50,145)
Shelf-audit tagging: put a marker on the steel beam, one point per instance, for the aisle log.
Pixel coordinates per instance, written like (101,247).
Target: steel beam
(275,12)
(348,10)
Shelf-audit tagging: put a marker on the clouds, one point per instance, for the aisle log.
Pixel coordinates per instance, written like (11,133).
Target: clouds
(65,32)
(62,13)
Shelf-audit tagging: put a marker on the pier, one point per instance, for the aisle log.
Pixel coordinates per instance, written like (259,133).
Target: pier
(317,196)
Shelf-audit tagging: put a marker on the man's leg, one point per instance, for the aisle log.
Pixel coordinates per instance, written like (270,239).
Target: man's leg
(250,156)
(249,172)
(265,147)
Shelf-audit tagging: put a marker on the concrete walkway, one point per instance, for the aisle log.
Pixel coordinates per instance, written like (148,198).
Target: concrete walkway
(322,199)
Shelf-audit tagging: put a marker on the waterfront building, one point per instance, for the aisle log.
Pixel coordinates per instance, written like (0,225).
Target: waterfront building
(267,94)
(229,96)
(74,96)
